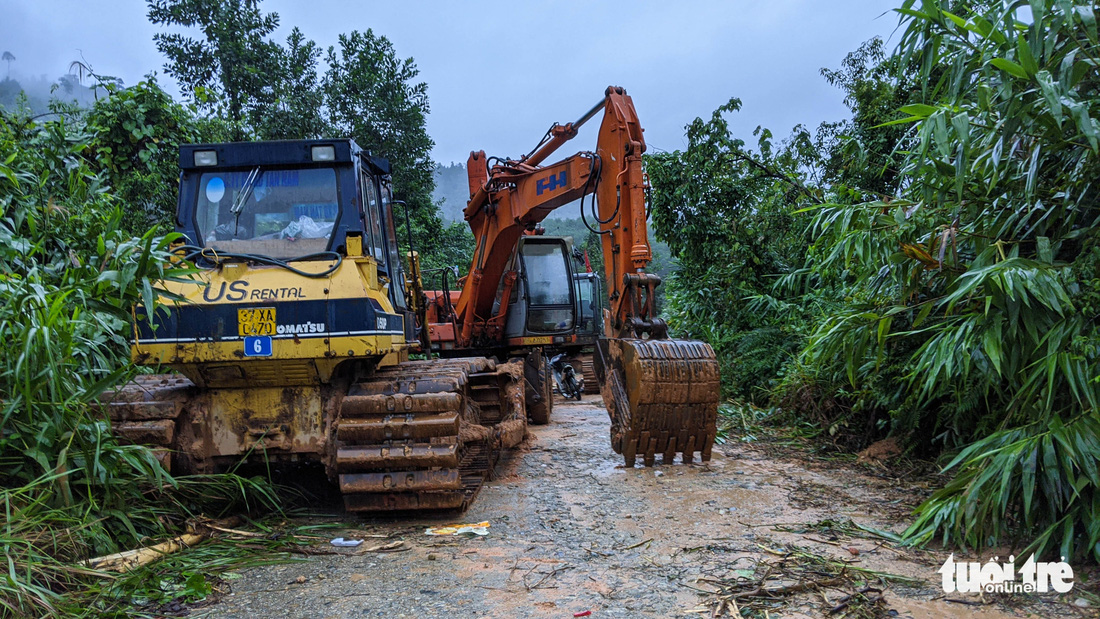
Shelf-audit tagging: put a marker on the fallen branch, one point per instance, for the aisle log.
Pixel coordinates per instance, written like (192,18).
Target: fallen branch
(641,543)
(846,601)
(967,602)
(788,589)
(130,559)
(235,531)
(544,578)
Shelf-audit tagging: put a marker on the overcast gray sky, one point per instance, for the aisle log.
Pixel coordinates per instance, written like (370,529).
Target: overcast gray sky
(499,73)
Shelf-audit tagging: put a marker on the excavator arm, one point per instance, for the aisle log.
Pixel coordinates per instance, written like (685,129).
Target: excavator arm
(662,394)
(514,196)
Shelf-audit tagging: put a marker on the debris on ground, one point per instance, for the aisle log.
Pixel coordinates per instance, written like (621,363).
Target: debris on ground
(481,528)
(879,452)
(574,531)
(125,561)
(786,571)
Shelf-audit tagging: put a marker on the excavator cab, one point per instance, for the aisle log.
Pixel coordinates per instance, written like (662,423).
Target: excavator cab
(542,303)
(588,292)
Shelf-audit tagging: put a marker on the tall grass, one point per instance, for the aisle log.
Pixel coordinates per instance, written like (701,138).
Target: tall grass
(69,278)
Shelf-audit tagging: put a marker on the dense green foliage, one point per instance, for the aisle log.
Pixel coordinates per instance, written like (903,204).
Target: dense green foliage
(137,132)
(726,213)
(370,94)
(998,294)
(933,267)
(70,274)
(264,90)
(228,70)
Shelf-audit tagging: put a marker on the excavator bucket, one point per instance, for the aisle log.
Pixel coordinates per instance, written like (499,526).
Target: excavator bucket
(662,396)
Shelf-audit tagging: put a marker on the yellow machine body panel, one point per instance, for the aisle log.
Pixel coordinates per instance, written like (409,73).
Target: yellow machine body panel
(243,325)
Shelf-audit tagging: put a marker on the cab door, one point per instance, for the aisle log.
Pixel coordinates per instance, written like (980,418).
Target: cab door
(547,275)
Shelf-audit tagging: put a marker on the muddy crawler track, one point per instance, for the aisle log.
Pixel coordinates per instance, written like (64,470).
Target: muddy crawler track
(418,435)
(426,434)
(145,411)
(585,366)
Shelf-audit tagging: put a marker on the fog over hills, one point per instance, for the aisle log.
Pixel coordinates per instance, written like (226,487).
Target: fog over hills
(452,186)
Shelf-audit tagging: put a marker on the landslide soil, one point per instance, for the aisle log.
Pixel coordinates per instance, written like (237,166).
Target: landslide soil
(572,531)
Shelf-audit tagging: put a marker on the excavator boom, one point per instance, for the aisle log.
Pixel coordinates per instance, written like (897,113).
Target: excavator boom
(662,394)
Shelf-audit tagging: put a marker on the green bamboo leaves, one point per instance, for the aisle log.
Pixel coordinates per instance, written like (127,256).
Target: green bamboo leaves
(991,285)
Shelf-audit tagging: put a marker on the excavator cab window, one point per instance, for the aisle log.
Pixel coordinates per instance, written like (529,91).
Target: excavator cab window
(588,302)
(391,246)
(548,278)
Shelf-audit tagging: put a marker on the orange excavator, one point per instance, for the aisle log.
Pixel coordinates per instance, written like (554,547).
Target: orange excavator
(518,295)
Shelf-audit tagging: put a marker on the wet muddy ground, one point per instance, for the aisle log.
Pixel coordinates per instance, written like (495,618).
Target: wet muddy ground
(571,531)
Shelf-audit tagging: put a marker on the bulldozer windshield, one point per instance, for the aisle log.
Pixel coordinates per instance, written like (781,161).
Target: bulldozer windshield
(280,213)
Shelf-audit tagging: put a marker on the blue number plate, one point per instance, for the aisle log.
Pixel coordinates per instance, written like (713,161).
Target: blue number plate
(257,346)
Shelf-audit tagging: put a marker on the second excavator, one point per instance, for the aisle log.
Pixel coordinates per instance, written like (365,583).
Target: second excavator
(661,393)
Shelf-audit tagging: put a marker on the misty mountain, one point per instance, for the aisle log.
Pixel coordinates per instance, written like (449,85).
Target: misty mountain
(452,185)
(36,93)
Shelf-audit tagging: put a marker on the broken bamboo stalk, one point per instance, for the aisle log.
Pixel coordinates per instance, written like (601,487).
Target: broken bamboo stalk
(130,559)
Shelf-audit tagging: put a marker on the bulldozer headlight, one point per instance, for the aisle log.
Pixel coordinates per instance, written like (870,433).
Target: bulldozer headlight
(324,153)
(206,158)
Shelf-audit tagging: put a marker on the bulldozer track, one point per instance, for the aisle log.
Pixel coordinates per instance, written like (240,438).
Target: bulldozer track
(144,411)
(423,435)
(418,435)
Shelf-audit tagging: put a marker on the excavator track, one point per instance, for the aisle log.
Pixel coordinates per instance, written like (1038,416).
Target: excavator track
(662,396)
(426,434)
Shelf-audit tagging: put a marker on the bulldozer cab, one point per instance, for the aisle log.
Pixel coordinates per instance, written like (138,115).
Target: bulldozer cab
(290,201)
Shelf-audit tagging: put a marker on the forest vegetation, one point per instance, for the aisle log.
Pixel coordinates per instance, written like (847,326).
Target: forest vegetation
(927,270)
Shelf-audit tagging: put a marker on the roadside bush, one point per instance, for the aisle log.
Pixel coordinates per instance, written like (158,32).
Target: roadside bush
(975,288)
(70,276)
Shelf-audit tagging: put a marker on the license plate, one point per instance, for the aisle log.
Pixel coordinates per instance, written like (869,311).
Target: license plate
(538,341)
(256,321)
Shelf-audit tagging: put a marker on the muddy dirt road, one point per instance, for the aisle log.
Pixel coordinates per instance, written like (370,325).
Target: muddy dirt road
(571,532)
